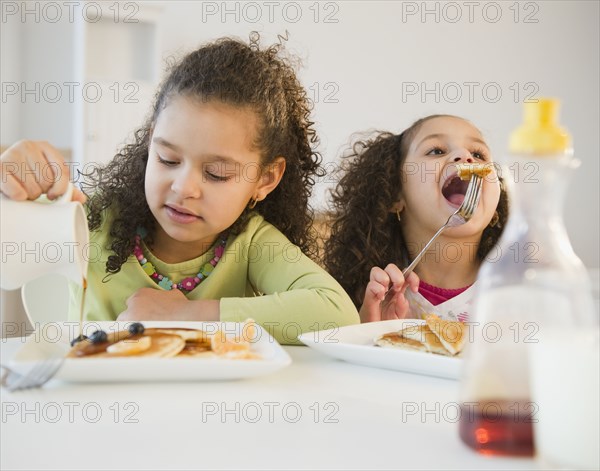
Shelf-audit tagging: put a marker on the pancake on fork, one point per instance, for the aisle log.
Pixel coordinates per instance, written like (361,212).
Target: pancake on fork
(465,170)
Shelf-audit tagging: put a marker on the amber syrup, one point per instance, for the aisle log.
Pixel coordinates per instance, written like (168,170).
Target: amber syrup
(498,427)
(81,309)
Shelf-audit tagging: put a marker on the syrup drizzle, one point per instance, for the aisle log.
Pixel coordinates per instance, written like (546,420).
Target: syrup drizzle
(81,309)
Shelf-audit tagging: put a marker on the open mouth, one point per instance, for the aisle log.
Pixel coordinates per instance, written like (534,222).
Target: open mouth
(454,190)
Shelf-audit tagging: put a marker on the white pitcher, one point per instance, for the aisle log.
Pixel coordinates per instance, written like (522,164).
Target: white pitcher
(41,237)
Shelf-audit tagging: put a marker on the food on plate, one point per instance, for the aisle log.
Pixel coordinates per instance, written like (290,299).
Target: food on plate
(236,347)
(465,170)
(434,336)
(138,341)
(452,334)
(416,337)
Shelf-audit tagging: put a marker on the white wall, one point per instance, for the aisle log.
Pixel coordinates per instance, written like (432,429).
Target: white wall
(39,108)
(365,57)
(369,61)
(10,73)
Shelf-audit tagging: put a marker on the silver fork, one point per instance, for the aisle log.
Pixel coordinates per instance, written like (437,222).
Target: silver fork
(459,217)
(38,375)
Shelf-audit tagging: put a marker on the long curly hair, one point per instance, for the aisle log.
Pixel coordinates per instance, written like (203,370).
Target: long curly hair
(239,74)
(364,233)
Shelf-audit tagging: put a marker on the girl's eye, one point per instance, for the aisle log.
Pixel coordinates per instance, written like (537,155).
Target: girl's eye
(478,155)
(436,151)
(216,178)
(168,163)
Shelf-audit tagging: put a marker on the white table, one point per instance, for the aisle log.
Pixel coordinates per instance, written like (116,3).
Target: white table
(316,413)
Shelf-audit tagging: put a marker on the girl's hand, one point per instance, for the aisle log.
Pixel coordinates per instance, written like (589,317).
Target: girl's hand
(384,295)
(150,304)
(29,169)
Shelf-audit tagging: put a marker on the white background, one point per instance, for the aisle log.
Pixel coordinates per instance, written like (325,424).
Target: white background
(363,58)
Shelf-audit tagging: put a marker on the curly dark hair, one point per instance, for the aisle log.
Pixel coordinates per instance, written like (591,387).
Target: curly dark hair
(364,233)
(239,74)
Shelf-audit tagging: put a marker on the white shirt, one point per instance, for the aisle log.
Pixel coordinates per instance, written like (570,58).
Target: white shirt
(457,308)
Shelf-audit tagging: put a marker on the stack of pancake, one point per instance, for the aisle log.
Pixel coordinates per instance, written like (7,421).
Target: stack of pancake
(170,342)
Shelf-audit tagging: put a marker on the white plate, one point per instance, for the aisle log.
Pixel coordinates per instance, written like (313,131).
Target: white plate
(273,356)
(355,344)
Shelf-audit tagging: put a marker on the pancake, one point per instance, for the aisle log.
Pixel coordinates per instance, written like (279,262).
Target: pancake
(237,347)
(169,342)
(464,171)
(435,336)
(196,350)
(452,334)
(422,334)
(159,345)
(87,348)
(189,335)
(395,340)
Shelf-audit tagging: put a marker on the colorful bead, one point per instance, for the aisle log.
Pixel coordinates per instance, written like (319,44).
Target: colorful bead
(165,283)
(187,284)
(148,268)
(207,269)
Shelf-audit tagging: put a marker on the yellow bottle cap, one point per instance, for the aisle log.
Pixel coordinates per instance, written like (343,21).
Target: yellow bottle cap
(540,134)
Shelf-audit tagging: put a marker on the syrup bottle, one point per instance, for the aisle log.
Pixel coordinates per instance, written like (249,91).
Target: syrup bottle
(532,280)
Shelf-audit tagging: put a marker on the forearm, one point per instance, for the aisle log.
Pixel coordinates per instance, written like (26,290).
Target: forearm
(151,304)
(288,314)
(200,310)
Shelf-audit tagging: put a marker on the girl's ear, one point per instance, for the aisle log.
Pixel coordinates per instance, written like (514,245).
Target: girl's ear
(398,206)
(270,178)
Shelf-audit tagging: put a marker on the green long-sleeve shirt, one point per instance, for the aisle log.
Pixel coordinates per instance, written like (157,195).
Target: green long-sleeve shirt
(261,275)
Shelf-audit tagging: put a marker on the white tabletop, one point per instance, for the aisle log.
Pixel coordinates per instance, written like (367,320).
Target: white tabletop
(317,413)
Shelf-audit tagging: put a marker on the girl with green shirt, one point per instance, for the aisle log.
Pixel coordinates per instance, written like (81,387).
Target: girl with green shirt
(206,216)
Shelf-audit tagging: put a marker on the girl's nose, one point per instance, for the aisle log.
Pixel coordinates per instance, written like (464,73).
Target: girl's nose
(187,186)
(463,156)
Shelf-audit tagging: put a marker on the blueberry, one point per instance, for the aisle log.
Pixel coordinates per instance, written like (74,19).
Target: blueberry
(137,328)
(98,337)
(78,339)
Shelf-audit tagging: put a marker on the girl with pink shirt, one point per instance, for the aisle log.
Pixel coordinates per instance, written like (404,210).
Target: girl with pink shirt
(395,193)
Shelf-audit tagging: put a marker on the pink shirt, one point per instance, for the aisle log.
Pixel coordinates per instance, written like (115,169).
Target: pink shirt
(436,295)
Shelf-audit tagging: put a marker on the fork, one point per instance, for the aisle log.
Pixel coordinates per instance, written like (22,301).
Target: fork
(457,218)
(41,372)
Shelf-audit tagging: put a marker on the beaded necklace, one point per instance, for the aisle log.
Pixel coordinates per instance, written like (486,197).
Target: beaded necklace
(187,284)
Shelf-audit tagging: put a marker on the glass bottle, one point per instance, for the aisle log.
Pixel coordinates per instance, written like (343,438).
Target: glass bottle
(531,281)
